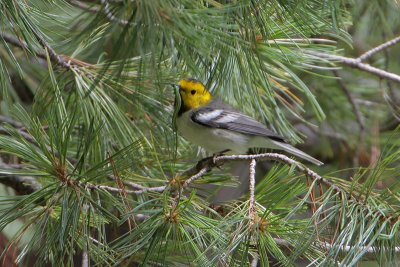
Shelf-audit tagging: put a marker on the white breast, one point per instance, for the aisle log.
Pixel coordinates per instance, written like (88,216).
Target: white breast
(211,139)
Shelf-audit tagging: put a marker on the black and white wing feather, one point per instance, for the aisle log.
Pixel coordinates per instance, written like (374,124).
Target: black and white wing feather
(230,119)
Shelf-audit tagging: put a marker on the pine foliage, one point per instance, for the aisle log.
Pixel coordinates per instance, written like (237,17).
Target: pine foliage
(87,133)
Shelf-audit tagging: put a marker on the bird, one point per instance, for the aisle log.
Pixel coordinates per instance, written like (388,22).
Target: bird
(218,127)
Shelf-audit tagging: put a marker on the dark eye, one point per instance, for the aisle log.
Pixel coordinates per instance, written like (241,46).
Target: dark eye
(193,92)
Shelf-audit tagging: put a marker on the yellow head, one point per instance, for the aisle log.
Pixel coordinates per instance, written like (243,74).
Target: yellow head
(193,94)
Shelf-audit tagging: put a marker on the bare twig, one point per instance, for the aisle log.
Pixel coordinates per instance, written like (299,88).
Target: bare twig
(106,9)
(254,261)
(12,122)
(327,245)
(301,40)
(357,64)
(357,113)
(84,6)
(378,49)
(23,185)
(281,158)
(25,135)
(205,165)
(110,15)
(59,60)
(119,190)
(18,43)
(252,184)
(354,105)
(54,57)
(85,258)
(198,175)
(392,97)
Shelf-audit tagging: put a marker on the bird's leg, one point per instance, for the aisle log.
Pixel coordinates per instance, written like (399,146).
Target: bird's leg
(215,155)
(211,160)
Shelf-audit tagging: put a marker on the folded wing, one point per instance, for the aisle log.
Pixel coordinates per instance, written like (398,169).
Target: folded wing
(234,121)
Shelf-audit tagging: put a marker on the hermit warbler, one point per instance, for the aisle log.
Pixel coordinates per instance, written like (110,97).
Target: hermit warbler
(218,127)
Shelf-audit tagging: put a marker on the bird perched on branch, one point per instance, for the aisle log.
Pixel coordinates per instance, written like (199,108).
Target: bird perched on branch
(217,127)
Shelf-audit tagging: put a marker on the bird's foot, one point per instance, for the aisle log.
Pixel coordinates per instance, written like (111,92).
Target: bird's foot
(215,155)
(212,161)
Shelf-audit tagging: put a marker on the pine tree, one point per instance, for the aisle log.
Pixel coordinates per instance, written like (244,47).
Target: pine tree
(100,177)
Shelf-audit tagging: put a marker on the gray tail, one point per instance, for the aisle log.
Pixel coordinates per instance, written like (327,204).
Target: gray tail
(297,152)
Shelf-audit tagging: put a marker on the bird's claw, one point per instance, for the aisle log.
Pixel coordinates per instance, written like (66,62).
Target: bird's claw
(214,158)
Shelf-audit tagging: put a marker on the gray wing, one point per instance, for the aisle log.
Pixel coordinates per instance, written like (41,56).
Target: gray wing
(231,119)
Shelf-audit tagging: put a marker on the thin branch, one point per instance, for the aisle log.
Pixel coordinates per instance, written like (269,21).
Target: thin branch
(354,105)
(119,190)
(12,122)
(23,185)
(378,49)
(85,258)
(54,57)
(25,135)
(110,15)
(391,98)
(327,245)
(252,184)
(254,261)
(198,175)
(357,64)
(106,9)
(18,43)
(357,113)
(205,165)
(280,158)
(52,54)
(84,6)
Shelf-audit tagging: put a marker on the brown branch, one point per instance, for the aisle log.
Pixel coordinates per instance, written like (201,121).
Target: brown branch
(54,57)
(23,185)
(25,135)
(357,113)
(12,122)
(19,43)
(378,49)
(354,105)
(205,165)
(59,60)
(357,64)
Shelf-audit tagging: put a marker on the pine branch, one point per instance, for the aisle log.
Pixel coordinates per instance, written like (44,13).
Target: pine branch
(357,64)
(18,43)
(378,49)
(354,105)
(23,185)
(84,6)
(326,245)
(111,16)
(54,57)
(106,9)
(357,113)
(252,185)
(85,258)
(11,121)
(207,164)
